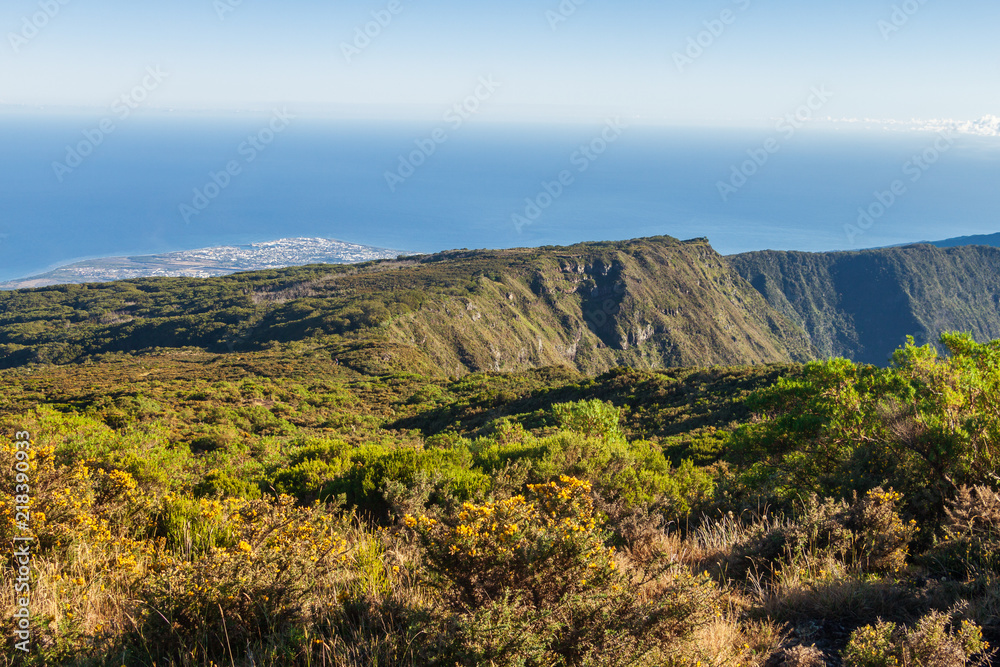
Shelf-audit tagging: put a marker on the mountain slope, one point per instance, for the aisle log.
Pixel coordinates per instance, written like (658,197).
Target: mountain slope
(647,303)
(862,305)
(992,240)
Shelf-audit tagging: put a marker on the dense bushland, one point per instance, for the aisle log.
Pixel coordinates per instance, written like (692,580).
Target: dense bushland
(280,508)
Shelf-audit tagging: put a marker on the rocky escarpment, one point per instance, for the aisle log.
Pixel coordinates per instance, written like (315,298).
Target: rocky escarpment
(645,303)
(863,305)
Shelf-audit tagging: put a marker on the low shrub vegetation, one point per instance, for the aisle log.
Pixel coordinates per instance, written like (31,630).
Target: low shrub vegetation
(280,509)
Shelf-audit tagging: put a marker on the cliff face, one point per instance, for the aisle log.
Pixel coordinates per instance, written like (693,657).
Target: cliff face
(862,305)
(646,303)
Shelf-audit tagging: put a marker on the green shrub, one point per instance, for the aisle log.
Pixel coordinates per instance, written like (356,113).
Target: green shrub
(446,440)
(214,438)
(191,526)
(881,537)
(971,545)
(866,535)
(531,582)
(372,469)
(593,418)
(873,646)
(936,640)
(631,472)
(221,484)
(250,589)
(308,480)
(922,426)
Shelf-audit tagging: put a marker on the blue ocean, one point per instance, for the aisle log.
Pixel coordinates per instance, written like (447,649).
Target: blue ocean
(74,187)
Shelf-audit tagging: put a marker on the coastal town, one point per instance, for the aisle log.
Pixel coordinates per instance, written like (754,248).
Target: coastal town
(209,262)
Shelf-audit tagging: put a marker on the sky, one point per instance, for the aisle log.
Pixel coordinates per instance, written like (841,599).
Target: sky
(674,62)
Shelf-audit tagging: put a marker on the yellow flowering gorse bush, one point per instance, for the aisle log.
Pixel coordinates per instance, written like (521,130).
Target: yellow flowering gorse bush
(548,544)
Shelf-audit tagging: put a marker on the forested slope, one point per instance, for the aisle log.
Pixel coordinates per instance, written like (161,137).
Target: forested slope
(863,305)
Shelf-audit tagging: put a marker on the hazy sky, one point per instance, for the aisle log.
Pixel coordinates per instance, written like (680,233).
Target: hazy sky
(942,59)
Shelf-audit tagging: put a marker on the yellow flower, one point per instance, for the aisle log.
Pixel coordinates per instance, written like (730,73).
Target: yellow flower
(244,547)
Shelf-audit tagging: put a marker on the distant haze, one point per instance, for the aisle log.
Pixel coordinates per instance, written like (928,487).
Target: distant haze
(723,62)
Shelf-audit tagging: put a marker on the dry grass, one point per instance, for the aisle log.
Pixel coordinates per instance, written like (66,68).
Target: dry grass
(127,578)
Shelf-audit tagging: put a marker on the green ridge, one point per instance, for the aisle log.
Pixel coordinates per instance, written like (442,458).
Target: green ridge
(863,305)
(646,303)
